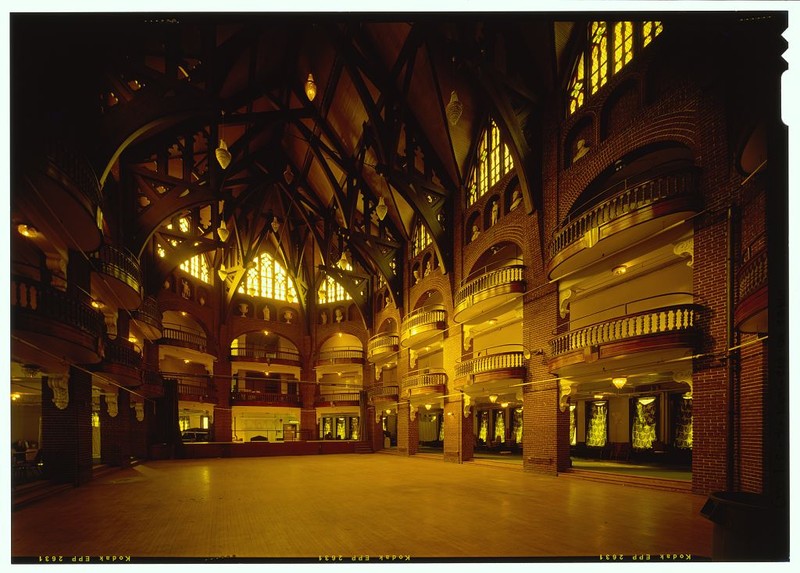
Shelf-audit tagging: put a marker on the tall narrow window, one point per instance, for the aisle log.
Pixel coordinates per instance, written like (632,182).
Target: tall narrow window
(599,52)
(623,44)
(421,239)
(650,30)
(197,266)
(268,279)
(332,291)
(493,161)
(577,86)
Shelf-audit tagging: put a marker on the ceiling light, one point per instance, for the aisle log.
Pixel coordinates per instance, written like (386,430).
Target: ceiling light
(619,382)
(97,304)
(223,232)
(598,396)
(133,339)
(646,401)
(454,108)
(619,270)
(186,361)
(492,321)
(223,155)
(266,332)
(388,411)
(504,404)
(381,209)
(428,406)
(311,88)
(493,398)
(27,231)
(16,396)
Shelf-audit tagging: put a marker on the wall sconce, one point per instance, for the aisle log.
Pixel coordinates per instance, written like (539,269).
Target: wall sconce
(454,109)
(223,155)
(493,398)
(311,88)
(222,232)
(504,404)
(619,382)
(381,209)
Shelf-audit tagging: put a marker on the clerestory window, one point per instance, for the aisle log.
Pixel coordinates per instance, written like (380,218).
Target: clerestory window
(492,162)
(267,278)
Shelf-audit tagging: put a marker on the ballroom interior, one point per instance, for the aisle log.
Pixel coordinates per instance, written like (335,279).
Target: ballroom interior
(537,244)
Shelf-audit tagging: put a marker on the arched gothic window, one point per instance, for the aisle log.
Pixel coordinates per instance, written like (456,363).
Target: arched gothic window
(493,161)
(267,278)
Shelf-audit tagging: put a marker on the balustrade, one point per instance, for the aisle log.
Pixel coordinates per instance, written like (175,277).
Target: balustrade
(418,379)
(341,355)
(753,274)
(339,397)
(486,282)
(122,352)
(382,343)
(382,391)
(118,263)
(423,317)
(258,396)
(185,338)
(491,362)
(148,313)
(253,352)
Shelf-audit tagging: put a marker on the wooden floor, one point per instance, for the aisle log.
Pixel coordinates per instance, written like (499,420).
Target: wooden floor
(350,505)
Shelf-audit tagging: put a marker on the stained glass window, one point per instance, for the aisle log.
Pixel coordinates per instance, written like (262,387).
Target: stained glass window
(197,266)
(331,290)
(598,74)
(267,278)
(650,30)
(623,44)
(577,86)
(421,239)
(493,161)
(518,425)
(499,426)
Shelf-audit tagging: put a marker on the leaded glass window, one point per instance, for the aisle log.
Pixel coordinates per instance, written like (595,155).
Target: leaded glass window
(597,430)
(267,278)
(493,161)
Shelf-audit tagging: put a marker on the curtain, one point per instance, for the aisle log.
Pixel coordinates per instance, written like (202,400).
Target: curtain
(483,428)
(643,432)
(597,430)
(499,426)
(354,428)
(573,428)
(683,424)
(518,426)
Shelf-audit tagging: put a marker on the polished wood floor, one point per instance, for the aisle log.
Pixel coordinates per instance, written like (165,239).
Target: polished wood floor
(309,507)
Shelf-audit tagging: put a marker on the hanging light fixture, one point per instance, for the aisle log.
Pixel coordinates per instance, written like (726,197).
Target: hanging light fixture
(223,155)
(493,398)
(311,88)
(381,209)
(454,109)
(619,382)
(222,231)
(428,406)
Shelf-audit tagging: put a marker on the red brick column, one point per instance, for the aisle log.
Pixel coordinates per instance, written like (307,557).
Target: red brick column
(459,441)
(407,431)
(115,447)
(67,433)
(138,431)
(308,412)
(751,431)
(374,429)
(223,417)
(545,428)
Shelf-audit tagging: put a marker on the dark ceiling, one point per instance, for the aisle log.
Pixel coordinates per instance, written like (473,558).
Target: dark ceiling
(148,97)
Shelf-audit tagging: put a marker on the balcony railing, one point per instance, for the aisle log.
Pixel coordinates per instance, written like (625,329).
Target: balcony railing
(253,352)
(382,344)
(421,319)
(118,263)
(258,396)
(639,195)
(675,318)
(31,296)
(152,378)
(76,168)
(148,313)
(417,379)
(185,338)
(379,392)
(193,388)
(341,355)
(753,275)
(121,352)
(482,286)
(338,397)
(494,359)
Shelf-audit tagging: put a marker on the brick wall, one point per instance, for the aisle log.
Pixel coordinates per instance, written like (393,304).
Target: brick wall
(407,431)
(459,441)
(67,433)
(138,431)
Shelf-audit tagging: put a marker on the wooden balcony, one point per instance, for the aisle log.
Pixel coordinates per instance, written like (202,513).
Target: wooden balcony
(751,314)
(648,330)
(338,399)
(489,291)
(496,363)
(116,276)
(52,321)
(58,176)
(148,319)
(152,384)
(253,353)
(422,325)
(193,388)
(634,213)
(382,345)
(177,336)
(122,362)
(424,382)
(258,398)
(381,394)
(340,356)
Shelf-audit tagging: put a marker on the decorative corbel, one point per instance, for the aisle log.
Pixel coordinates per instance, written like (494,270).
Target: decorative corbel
(112,404)
(685,249)
(378,415)
(467,405)
(378,370)
(60,388)
(412,412)
(684,376)
(564,297)
(139,407)
(565,389)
